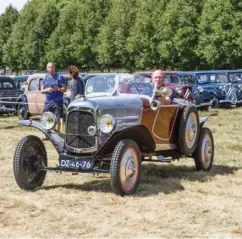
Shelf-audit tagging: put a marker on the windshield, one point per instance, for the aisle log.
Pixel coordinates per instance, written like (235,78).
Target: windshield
(211,78)
(122,83)
(101,84)
(235,77)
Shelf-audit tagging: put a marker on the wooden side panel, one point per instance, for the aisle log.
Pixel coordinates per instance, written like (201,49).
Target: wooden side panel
(162,123)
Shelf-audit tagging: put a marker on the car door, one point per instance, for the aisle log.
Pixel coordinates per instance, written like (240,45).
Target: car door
(31,95)
(162,124)
(40,97)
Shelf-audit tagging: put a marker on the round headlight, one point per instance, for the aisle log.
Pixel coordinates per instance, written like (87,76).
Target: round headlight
(200,89)
(91,130)
(48,120)
(107,123)
(178,90)
(221,87)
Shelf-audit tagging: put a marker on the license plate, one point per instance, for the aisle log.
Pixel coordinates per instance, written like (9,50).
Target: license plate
(72,162)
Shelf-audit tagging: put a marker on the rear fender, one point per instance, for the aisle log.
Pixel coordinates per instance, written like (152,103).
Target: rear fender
(54,137)
(203,119)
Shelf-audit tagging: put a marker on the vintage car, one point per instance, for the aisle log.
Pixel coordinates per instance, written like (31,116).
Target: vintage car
(21,81)
(9,94)
(112,130)
(31,102)
(222,92)
(197,95)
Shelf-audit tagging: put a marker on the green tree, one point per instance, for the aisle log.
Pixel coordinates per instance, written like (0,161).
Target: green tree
(73,41)
(218,34)
(176,34)
(113,34)
(7,21)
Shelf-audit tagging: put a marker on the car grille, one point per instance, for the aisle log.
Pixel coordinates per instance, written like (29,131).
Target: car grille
(76,130)
(231,94)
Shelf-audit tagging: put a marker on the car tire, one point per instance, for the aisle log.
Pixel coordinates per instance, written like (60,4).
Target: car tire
(22,111)
(189,128)
(30,150)
(64,112)
(204,152)
(215,102)
(125,168)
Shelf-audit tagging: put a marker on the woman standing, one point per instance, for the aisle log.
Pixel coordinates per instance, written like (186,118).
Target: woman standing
(77,85)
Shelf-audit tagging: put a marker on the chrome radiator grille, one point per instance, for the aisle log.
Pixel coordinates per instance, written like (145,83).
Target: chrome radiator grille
(76,130)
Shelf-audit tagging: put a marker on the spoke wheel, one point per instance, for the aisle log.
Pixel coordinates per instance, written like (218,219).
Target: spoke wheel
(188,130)
(204,153)
(28,155)
(125,168)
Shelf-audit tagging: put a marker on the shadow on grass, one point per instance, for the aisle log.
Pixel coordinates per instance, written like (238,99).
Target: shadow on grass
(154,179)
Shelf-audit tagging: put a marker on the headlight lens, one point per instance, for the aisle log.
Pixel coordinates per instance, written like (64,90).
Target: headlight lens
(222,87)
(200,89)
(107,123)
(48,120)
(178,90)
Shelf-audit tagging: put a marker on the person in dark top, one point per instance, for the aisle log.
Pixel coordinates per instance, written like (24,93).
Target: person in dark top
(54,87)
(76,84)
(158,78)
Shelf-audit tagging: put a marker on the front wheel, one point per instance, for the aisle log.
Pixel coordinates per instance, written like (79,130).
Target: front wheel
(214,102)
(29,154)
(22,111)
(125,167)
(204,152)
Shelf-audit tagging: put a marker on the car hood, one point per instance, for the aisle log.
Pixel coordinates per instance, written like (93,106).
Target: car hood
(114,105)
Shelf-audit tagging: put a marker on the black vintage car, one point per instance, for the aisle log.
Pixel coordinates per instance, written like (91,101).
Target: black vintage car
(112,130)
(8,95)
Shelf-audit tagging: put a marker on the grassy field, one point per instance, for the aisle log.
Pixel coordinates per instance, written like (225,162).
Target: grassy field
(173,200)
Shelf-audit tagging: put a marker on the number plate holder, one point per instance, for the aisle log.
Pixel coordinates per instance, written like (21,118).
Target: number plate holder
(77,163)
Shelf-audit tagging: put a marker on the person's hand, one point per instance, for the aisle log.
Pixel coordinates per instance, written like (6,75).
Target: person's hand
(54,87)
(49,90)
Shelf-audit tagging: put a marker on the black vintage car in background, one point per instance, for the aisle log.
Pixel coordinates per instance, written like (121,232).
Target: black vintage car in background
(9,93)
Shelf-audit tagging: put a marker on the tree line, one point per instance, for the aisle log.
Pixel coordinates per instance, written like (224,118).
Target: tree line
(128,34)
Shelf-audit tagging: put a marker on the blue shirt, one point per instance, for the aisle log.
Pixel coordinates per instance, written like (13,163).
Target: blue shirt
(55,80)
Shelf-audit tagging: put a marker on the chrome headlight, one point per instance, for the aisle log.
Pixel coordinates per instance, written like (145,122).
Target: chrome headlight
(178,90)
(107,123)
(91,130)
(222,87)
(200,89)
(48,120)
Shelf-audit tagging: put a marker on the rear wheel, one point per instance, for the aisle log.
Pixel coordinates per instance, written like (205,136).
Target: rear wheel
(204,152)
(188,130)
(125,167)
(28,155)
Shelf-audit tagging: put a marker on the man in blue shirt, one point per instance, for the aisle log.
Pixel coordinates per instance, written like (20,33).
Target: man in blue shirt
(54,87)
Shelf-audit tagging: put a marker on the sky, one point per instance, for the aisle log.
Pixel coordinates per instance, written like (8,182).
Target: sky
(16,3)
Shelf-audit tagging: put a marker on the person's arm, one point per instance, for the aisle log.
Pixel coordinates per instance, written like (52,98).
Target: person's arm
(62,87)
(45,90)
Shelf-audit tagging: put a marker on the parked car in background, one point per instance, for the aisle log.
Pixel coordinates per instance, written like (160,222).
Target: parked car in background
(112,130)
(20,81)
(186,91)
(31,102)
(9,93)
(221,93)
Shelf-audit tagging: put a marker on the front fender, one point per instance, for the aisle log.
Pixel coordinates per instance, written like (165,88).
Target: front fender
(54,138)
(22,98)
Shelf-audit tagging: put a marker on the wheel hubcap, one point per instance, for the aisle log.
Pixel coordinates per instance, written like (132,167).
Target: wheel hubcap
(191,130)
(207,150)
(129,169)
